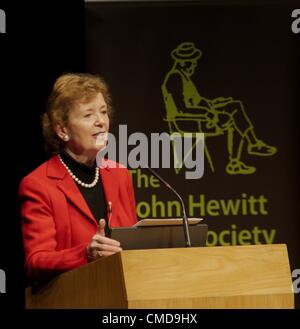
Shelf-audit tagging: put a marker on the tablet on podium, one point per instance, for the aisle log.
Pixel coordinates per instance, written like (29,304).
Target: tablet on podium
(153,233)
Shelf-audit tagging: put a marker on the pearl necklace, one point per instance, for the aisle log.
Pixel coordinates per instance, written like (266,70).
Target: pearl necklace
(77,180)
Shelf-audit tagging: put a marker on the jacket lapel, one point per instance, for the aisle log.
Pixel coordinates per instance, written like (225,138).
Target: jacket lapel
(110,186)
(67,185)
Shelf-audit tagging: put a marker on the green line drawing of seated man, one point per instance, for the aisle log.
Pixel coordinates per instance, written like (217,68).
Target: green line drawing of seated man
(223,115)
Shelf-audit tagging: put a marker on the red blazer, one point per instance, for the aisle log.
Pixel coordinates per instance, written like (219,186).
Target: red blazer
(57,224)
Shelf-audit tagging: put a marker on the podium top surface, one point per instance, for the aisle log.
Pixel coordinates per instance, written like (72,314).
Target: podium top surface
(165,221)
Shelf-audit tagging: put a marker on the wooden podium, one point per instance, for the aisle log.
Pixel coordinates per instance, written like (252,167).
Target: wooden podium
(256,276)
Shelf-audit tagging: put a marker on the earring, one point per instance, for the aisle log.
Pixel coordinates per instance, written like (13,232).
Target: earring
(66,138)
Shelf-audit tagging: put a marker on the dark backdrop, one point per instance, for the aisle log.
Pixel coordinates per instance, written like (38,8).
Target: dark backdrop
(45,39)
(249,53)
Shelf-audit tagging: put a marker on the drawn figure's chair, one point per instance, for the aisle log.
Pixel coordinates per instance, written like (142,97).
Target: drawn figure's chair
(181,123)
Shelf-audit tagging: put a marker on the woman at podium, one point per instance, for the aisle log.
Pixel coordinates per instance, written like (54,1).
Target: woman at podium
(69,203)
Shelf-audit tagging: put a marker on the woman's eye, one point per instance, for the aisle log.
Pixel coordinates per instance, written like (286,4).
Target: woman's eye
(87,115)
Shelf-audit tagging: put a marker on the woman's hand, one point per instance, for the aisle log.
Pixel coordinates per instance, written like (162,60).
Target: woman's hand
(100,245)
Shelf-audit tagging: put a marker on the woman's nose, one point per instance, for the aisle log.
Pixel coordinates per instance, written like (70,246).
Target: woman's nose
(99,119)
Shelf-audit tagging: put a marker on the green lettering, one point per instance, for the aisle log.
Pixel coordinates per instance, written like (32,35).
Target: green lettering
(154,182)
(213,208)
(256,233)
(212,239)
(132,172)
(177,206)
(142,179)
(269,238)
(245,237)
(200,205)
(159,204)
(233,238)
(140,212)
(252,201)
(262,201)
(221,238)
(230,207)
(244,204)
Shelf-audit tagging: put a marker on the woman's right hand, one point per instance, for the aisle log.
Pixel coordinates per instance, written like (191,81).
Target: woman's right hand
(100,245)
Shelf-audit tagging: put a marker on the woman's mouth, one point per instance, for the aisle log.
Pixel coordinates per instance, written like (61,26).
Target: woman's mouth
(101,138)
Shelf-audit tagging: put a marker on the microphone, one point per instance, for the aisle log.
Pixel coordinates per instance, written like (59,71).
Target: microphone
(109,210)
(186,228)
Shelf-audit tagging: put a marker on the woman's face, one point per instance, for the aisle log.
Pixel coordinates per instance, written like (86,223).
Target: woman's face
(87,127)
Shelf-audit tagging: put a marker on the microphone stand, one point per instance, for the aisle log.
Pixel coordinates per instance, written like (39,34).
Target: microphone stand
(184,217)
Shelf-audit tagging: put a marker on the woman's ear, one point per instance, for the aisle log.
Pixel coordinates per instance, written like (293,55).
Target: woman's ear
(62,132)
